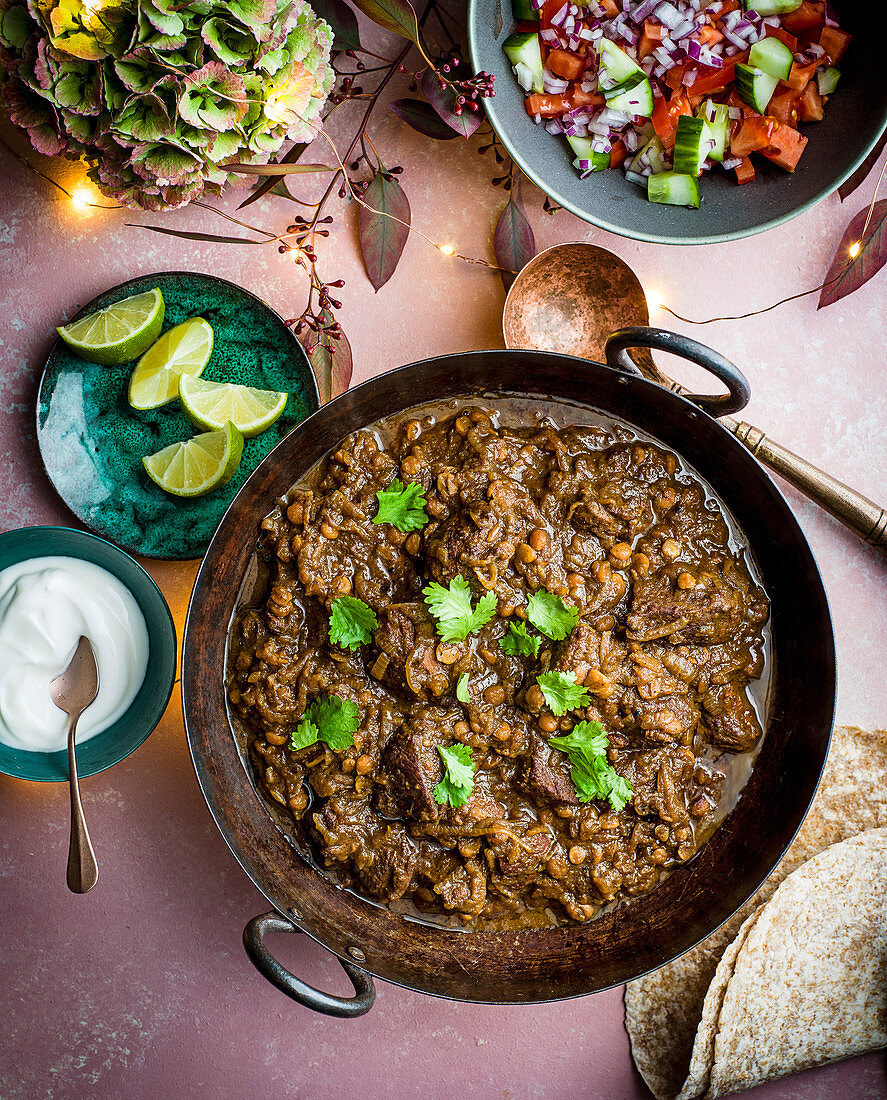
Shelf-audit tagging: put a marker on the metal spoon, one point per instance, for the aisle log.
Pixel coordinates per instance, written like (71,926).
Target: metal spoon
(571,297)
(73,691)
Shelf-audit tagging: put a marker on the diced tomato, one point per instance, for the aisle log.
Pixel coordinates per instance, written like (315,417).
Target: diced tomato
(834,41)
(809,16)
(577,98)
(674,78)
(786,146)
(549,9)
(784,105)
(611,8)
(666,115)
(527,25)
(715,80)
(745,171)
(565,64)
(783,36)
(652,35)
(727,7)
(618,153)
(695,102)
(800,74)
(707,35)
(751,135)
(548,106)
(810,104)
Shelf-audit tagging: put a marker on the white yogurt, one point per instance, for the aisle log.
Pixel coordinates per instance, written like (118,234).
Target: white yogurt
(46,604)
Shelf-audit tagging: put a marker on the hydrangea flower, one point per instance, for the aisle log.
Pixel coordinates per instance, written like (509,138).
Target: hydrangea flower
(157,96)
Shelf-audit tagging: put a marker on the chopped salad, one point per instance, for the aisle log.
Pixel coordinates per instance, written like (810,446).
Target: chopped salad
(669,89)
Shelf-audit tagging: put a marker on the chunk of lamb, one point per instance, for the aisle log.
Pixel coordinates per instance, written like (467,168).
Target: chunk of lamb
(407,641)
(729,718)
(547,775)
(412,763)
(385,867)
(705,616)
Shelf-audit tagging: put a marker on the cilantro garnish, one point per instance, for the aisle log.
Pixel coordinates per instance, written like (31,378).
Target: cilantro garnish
(458,781)
(462,689)
(352,622)
(561,692)
(519,642)
(451,607)
(586,737)
(592,774)
(403,506)
(331,719)
(550,615)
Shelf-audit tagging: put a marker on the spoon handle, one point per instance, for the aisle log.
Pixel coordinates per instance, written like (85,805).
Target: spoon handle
(867,519)
(83,871)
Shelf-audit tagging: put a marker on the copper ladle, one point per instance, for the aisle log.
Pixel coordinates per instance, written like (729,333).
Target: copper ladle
(571,297)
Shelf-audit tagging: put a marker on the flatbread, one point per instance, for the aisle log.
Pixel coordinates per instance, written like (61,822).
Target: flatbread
(663,1009)
(704,1045)
(809,985)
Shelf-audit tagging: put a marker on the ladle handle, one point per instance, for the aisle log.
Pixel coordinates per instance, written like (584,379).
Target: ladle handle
(860,514)
(616,351)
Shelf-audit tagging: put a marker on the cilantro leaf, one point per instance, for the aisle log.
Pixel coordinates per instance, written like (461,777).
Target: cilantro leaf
(519,642)
(331,719)
(585,737)
(550,615)
(561,692)
(592,774)
(458,781)
(451,607)
(403,506)
(462,689)
(352,622)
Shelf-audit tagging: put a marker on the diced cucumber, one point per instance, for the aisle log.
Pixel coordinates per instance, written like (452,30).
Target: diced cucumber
(690,145)
(827,81)
(717,124)
(634,96)
(615,65)
(582,147)
(648,156)
(754,87)
(772,7)
(523,9)
(673,189)
(772,57)
(523,49)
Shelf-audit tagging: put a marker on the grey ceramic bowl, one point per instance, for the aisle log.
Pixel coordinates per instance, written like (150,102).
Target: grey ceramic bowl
(855,117)
(131,729)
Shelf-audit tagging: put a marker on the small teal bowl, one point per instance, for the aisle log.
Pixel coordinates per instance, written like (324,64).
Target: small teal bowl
(133,727)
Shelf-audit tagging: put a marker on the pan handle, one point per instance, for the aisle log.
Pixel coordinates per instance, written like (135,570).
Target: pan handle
(616,350)
(343,1007)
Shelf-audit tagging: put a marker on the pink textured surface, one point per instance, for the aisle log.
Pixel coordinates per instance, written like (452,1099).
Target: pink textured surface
(142,988)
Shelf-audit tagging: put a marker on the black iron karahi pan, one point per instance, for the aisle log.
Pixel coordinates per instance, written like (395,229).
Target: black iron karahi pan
(553,963)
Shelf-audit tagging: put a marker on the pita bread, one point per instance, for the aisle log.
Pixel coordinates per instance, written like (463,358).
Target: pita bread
(663,1010)
(809,984)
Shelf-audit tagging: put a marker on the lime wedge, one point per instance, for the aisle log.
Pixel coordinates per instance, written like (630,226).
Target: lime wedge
(211,405)
(119,332)
(192,468)
(184,349)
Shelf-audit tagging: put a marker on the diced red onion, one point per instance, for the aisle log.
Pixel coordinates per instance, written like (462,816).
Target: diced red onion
(554,126)
(568,24)
(693,50)
(586,34)
(734,113)
(557,20)
(706,57)
(524,75)
(537,4)
(731,162)
(668,15)
(555,86)
(642,10)
(537,119)
(601,145)
(636,177)
(682,30)
(688,77)
(548,34)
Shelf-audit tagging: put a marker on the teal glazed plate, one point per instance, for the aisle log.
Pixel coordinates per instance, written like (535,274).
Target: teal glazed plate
(131,729)
(92,443)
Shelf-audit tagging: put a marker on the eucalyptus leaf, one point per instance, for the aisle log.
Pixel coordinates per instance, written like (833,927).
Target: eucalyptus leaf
(343,22)
(418,114)
(844,276)
(383,228)
(331,360)
(513,241)
(849,185)
(394,15)
(443,100)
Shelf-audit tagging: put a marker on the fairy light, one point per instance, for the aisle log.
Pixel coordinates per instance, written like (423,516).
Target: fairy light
(82,199)
(854,249)
(90,7)
(446,249)
(654,301)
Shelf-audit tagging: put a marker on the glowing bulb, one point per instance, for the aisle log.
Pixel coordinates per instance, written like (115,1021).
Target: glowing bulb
(446,249)
(81,199)
(654,302)
(854,249)
(90,7)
